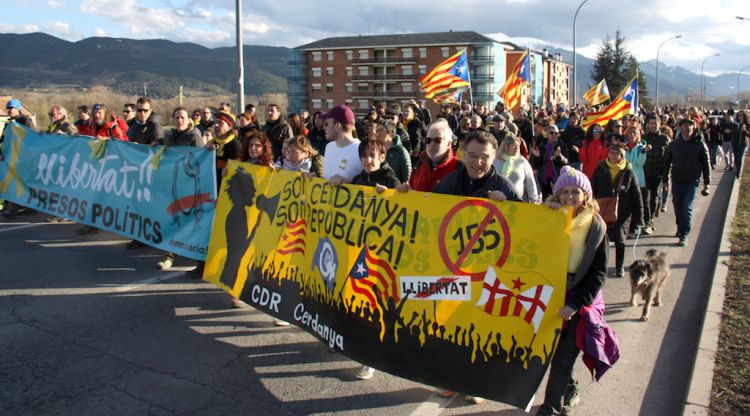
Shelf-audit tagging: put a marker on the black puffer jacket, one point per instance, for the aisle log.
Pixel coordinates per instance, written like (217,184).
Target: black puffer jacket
(654,166)
(688,160)
(459,183)
(148,132)
(630,202)
(383,176)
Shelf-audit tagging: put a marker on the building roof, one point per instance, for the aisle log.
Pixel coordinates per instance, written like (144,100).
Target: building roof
(406,39)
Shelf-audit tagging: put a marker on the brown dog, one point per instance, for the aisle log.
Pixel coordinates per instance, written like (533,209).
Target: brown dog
(647,276)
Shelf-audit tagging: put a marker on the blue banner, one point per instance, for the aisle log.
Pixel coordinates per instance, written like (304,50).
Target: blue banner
(164,197)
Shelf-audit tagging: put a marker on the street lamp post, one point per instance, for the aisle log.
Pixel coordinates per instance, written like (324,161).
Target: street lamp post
(240,63)
(575,77)
(738,83)
(657,67)
(702,82)
(742,18)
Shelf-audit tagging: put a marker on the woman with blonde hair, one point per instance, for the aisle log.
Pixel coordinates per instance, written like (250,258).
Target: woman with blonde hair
(512,165)
(301,157)
(584,303)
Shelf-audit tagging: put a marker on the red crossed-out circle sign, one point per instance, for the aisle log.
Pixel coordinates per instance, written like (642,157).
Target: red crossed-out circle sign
(455,266)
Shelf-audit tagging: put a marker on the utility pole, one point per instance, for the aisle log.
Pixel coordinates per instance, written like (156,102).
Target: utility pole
(240,64)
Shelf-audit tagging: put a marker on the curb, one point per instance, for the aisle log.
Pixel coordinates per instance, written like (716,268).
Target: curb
(699,391)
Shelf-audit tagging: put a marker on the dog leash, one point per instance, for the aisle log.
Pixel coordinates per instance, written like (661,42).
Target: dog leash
(635,244)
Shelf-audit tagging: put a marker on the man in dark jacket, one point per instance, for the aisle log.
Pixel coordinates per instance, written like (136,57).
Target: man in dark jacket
(276,129)
(415,127)
(653,169)
(447,113)
(547,158)
(687,158)
(477,177)
(573,136)
(147,127)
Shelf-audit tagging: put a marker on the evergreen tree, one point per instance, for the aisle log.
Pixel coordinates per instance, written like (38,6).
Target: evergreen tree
(618,66)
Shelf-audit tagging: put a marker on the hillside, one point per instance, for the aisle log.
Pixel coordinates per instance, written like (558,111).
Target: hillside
(41,60)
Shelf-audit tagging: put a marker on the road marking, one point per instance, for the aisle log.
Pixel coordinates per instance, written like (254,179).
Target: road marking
(145,282)
(433,405)
(21,227)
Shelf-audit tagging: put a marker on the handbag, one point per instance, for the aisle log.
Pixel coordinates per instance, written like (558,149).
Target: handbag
(609,205)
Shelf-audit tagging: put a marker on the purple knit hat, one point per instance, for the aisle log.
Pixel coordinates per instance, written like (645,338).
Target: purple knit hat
(572,176)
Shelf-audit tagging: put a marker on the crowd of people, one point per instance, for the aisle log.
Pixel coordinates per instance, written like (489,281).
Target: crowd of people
(539,155)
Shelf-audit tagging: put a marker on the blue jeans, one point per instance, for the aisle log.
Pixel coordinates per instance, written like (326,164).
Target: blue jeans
(683,195)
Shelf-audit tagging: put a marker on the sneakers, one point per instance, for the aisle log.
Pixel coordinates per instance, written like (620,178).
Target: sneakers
(54,220)
(571,400)
(135,244)
(166,263)
(619,272)
(279,322)
(682,242)
(663,208)
(648,230)
(474,399)
(365,373)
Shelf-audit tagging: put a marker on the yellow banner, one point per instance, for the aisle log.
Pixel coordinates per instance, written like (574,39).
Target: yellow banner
(462,293)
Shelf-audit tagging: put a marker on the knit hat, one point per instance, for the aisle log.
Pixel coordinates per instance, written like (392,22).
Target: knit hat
(228,118)
(571,176)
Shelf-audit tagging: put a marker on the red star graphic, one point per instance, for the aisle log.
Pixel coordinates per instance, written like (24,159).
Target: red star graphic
(284,237)
(518,284)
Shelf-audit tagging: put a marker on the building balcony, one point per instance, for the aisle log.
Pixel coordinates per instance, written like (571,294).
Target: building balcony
(384,94)
(482,78)
(383,77)
(481,59)
(389,60)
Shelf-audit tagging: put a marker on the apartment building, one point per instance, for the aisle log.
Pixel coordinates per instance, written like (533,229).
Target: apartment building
(361,71)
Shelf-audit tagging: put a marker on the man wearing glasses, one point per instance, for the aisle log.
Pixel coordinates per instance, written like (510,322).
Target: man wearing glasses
(548,158)
(147,127)
(207,121)
(436,161)
(128,114)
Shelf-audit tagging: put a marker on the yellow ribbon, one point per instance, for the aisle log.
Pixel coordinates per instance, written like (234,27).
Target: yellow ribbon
(98,148)
(19,133)
(157,157)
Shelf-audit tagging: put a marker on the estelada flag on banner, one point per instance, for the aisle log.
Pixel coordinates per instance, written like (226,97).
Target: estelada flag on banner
(521,75)
(598,94)
(448,77)
(625,103)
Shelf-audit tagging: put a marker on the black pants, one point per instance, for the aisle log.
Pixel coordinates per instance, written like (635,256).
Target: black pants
(645,212)
(616,234)
(739,154)
(652,196)
(561,369)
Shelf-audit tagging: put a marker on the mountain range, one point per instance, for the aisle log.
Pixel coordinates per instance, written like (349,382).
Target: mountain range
(38,60)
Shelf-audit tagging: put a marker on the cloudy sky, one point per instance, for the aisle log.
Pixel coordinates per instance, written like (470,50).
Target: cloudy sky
(708,27)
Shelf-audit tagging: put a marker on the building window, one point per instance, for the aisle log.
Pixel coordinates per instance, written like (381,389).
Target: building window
(363,104)
(329,55)
(349,87)
(317,56)
(329,87)
(406,70)
(406,87)
(316,87)
(444,51)
(348,102)
(349,55)
(362,87)
(423,52)
(363,54)
(329,104)
(364,71)
(422,69)
(316,104)
(329,71)
(317,72)
(407,53)
(349,71)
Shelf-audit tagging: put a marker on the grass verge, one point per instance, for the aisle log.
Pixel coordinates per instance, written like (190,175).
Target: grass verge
(731,385)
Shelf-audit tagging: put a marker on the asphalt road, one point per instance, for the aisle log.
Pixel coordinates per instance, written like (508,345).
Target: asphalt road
(90,328)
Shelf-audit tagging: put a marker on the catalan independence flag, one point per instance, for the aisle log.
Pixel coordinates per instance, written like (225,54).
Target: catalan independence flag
(625,103)
(448,77)
(370,272)
(598,94)
(521,75)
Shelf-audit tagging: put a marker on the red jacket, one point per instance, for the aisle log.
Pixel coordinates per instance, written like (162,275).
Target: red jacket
(426,178)
(592,152)
(115,128)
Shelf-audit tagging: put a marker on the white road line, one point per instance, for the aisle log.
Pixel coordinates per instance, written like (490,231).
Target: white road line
(21,227)
(434,405)
(84,243)
(156,279)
